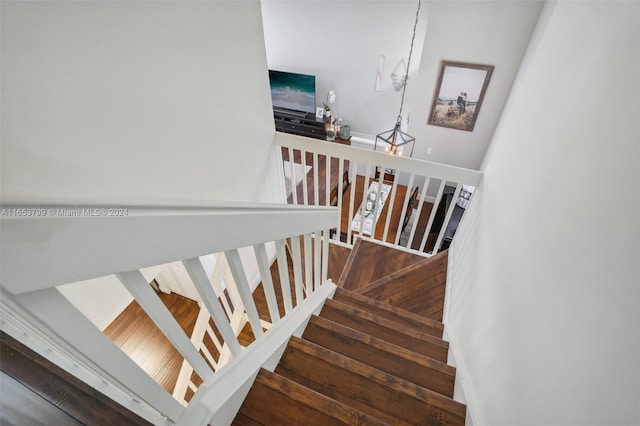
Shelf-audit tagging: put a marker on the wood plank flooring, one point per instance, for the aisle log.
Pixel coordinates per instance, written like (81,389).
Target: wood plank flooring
(136,334)
(37,392)
(374,261)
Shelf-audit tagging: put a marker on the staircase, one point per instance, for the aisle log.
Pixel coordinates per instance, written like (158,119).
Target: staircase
(374,354)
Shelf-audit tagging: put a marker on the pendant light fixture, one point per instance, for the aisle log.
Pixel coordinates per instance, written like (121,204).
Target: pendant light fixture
(396,138)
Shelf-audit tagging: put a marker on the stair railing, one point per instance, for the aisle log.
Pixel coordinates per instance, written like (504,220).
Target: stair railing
(348,170)
(44,247)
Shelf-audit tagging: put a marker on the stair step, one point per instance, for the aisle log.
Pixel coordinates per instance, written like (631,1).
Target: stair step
(242,420)
(276,400)
(389,312)
(365,388)
(359,270)
(418,288)
(390,331)
(395,360)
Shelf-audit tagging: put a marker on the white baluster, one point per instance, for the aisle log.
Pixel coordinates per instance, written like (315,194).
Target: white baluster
(140,289)
(296,258)
(416,219)
(325,255)
(237,270)
(216,279)
(353,165)
(436,203)
(405,204)
(283,270)
(267,282)
(199,277)
(447,218)
(305,186)
(316,196)
(327,180)
(308,265)
(392,201)
(292,173)
(317,259)
(339,195)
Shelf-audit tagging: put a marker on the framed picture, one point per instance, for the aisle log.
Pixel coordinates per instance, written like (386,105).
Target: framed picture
(319,112)
(459,95)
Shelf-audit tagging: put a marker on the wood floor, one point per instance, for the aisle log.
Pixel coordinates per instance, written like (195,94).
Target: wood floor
(136,334)
(35,391)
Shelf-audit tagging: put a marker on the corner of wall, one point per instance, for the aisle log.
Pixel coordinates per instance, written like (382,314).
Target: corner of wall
(464,390)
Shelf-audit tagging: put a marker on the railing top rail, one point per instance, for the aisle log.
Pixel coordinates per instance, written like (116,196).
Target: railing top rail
(411,165)
(43,247)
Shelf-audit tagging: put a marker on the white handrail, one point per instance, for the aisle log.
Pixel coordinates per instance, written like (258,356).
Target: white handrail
(407,172)
(62,246)
(42,252)
(410,165)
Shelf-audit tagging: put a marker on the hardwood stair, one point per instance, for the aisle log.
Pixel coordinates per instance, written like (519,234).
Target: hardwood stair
(362,359)
(389,312)
(392,332)
(385,356)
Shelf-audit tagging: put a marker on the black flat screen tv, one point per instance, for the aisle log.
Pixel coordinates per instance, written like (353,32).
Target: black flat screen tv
(291,92)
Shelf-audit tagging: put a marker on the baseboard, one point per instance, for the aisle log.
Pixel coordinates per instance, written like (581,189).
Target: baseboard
(465,391)
(428,199)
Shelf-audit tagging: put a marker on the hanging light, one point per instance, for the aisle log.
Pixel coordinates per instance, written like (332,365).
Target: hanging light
(395,137)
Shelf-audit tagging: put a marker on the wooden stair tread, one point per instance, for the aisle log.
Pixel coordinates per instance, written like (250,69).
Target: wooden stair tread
(392,359)
(419,288)
(384,310)
(276,400)
(360,270)
(365,388)
(385,329)
(242,420)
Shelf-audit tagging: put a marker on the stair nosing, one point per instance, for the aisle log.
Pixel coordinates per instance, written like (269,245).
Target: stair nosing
(347,266)
(429,322)
(400,328)
(397,274)
(424,360)
(423,394)
(328,400)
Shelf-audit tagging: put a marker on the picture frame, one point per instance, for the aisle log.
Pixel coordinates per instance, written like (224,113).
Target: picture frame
(459,95)
(319,112)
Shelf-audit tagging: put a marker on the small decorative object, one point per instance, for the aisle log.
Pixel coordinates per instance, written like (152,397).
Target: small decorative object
(459,95)
(399,80)
(331,136)
(319,112)
(331,98)
(345,130)
(379,73)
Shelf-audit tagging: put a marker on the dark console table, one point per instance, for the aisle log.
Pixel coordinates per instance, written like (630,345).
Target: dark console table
(303,124)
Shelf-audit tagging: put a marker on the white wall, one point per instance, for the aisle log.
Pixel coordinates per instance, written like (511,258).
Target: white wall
(545,279)
(339,42)
(101,300)
(481,32)
(135,102)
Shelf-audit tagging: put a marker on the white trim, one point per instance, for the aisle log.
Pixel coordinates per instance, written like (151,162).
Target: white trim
(57,245)
(427,199)
(396,247)
(475,416)
(18,324)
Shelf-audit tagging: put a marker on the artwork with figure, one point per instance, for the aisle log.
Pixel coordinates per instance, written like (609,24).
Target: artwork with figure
(459,95)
